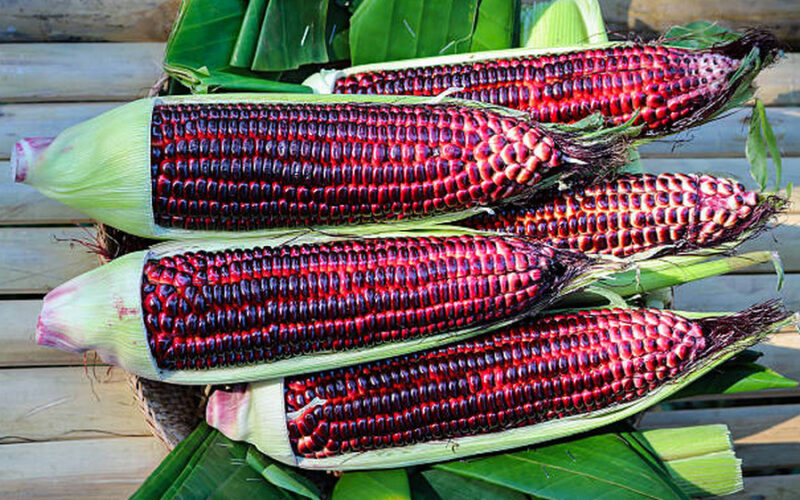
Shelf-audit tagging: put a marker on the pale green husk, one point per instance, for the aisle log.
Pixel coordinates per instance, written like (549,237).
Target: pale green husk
(551,23)
(700,459)
(262,424)
(121,340)
(101,167)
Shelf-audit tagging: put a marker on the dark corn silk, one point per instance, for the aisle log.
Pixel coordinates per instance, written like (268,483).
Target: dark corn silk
(635,213)
(234,307)
(251,166)
(670,87)
(552,367)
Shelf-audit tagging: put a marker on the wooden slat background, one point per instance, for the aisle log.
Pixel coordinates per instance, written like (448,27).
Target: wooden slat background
(72,430)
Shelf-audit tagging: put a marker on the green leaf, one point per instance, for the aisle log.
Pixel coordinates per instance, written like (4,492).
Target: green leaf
(387,30)
(337,32)
(207,465)
(201,44)
(777,264)
(205,33)
(494,29)
(603,466)
(772,143)
(293,34)
(245,47)
(376,485)
(281,476)
(170,468)
(698,35)
(554,23)
(756,151)
(735,376)
(448,486)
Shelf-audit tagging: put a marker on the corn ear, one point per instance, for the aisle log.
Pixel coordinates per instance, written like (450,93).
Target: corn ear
(258,413)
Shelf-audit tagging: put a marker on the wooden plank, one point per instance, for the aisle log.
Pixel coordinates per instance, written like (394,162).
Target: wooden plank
(36,260)
(737,168)
(40,72)
(649,18)
(726,136)
(782,239)
(736,292)
(68,403)
(764,436)
(32,120)
(86,20)
(80,469)
(779,85)
(17,338)
(22,204)
(777,487)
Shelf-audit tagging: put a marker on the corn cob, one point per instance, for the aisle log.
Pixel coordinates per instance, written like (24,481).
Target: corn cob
(665,88)
(201,166)
(227,314)
(635,213)
(547,378)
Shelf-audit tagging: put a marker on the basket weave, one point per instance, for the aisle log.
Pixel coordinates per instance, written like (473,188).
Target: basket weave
(170,411)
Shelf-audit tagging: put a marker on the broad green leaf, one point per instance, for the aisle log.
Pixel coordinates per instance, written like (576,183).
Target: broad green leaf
(337,32)
(293,34)
(205,33)
(756,151)
(217,469)
(772,143)
(602,466)
(282,476)
(201,44)
(170,468)
(735,376)
(388,30)
(494,29)
(448,486)
(376,485)
(245,47)
(554,23)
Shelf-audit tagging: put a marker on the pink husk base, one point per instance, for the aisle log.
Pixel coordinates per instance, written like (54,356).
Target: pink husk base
(224,408)
(24,155)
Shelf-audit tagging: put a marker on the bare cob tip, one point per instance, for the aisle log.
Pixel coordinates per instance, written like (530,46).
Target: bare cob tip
(25,154)
(754,322)
(227,410)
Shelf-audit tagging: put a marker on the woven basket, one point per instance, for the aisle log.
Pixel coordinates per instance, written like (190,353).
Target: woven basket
(170,411)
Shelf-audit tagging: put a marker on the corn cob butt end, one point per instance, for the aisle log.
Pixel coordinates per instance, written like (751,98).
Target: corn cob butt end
(101,311)
(25,154)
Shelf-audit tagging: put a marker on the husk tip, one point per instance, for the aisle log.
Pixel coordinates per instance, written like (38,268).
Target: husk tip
(25,154)
(224,409)
(51,330)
